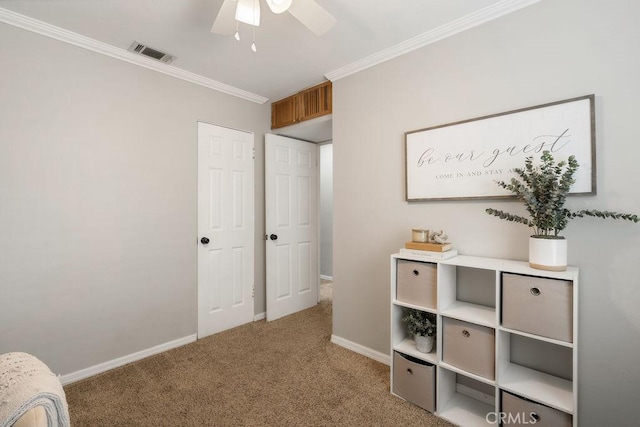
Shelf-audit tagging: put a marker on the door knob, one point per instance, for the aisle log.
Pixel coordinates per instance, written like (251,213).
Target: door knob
(274,237)
(204,240)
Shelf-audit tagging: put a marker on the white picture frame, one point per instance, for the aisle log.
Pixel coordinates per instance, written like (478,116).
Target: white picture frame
(462,160)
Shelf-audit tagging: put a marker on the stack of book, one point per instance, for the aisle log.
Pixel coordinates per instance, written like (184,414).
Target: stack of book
(429,250)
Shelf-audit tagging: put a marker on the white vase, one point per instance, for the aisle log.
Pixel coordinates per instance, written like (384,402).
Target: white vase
(424,344)
(548,254)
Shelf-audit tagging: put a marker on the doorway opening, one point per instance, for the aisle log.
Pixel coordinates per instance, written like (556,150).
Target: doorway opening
(319,132)
(326,220)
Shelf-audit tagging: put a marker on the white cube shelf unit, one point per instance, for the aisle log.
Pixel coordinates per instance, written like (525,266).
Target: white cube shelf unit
(520,326)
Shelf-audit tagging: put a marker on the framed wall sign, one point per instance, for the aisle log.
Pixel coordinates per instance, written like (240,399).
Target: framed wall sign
(463,160)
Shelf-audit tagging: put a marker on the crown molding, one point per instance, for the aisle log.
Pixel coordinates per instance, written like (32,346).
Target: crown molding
(454,27)
(48,30)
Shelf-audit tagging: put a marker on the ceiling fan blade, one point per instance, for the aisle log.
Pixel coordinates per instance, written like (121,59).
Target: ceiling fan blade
(312,15)
(225,22)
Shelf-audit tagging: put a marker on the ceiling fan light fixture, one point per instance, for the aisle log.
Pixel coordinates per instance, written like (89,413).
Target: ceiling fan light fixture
(279,6)
(237,34)
(248,11)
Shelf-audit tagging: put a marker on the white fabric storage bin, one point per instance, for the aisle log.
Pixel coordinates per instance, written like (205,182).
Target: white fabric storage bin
(415,381)
(537,305)
(469,347)
(416,283)
(523,412)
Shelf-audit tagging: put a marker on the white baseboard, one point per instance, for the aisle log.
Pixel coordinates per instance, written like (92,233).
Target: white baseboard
(360,349)
(323,277)
(115,363)
(260,316)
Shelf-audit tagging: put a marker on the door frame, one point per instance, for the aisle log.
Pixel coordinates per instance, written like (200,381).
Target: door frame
(319,145)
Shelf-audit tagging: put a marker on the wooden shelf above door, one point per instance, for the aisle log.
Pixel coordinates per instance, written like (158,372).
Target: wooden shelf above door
(305,105)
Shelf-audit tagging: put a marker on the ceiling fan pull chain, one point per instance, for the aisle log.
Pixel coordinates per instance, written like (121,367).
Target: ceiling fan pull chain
(253,44)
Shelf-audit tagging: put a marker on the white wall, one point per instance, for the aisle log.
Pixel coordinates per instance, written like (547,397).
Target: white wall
(326,210)
(549,51)
(98,192)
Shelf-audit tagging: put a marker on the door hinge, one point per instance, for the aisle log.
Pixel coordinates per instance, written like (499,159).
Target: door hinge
(253,291)
(253,153)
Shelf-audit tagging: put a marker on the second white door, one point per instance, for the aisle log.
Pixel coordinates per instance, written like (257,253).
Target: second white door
(291,188)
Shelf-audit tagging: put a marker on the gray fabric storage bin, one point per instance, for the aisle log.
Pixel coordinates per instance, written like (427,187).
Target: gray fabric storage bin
(415,381)
(524,412)
(537,305)
(469,347)
(417,283)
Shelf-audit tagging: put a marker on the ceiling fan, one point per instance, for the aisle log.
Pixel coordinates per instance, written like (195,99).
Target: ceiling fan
(308,12)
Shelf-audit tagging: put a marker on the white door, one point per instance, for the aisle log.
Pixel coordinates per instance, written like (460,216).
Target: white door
(225,228)
(291,188)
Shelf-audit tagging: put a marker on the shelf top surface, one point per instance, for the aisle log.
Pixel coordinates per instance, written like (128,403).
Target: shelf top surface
(465,411)
(547,389)
(417,307)
(468,374)
(537,337)
(509,266)
(408,346)
(468,312)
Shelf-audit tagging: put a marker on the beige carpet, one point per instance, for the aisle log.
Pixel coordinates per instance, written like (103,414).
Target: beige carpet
(282,373)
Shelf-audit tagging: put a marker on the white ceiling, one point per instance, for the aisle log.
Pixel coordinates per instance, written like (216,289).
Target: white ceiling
(289,57)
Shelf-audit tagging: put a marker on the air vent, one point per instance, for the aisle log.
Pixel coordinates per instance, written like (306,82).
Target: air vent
(141,49)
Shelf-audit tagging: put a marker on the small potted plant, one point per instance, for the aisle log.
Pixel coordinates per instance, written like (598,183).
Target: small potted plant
(543,189)
(422,327)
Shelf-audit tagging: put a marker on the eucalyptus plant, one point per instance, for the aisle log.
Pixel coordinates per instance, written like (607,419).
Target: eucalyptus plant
(543,189)
(419,322)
